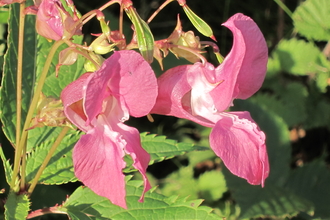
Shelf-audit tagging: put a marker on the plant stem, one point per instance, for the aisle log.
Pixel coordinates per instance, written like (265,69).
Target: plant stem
(33,105)
(283,6)
(158,10)
(19,72)
(47,159)
(19,85)
(23,167)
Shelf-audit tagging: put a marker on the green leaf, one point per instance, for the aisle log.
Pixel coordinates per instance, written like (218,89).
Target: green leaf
(161,148)
(312,182)
(268,202)
(59,169)
(289,103)
(8,89)
(311,19)
(16,207)
(181,182)
(7,166)
(299,57)
(83,202)
(212,185)
(4,15)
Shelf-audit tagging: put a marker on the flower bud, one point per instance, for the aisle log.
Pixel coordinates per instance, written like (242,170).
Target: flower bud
(50,112)
(54,22)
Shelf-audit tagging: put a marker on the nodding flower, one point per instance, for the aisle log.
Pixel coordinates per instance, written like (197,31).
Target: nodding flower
(99,103)
(203,93)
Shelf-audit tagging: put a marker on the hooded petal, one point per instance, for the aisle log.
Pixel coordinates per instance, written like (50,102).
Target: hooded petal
(125,74)
(244,68)
(98,162)
(137,83)
(237,140)
(71,97)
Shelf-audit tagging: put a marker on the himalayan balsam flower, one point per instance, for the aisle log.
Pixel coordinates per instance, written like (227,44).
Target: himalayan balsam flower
(203,93)
(54,22)
(98,103)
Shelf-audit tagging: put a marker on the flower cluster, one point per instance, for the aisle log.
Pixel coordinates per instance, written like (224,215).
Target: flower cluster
(124,85)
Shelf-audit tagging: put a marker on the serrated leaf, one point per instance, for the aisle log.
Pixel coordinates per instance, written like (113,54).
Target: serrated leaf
(8,89)
(83,202)
(60,168)
(311,19)
(7,166)
(161,148)
(16,207)
(299,57)
(312,182)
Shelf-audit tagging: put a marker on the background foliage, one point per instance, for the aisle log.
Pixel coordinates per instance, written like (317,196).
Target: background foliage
(292,108)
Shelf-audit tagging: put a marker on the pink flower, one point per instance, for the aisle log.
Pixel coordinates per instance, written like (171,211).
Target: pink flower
(203,94)
(53,21)
(98,103)
(8,2)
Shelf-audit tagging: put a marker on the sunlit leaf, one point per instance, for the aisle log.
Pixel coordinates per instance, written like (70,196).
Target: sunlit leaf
(83,202)
(17,206)
(60,168)
(311,19)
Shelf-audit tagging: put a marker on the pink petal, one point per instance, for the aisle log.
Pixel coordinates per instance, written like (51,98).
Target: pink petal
(71,95)
(133,147)
(137,82)
(244,68)
(237,140)
(125,74)
(49,23)
(98,163)
(174,95)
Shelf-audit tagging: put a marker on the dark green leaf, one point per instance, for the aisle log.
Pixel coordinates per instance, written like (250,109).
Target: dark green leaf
(312,182)
(8,89)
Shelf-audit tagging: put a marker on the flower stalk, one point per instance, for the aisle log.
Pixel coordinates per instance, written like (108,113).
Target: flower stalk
(33,106)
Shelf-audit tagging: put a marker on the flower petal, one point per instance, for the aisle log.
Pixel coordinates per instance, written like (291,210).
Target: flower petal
(98,163)
(71,97)
(133,147)
(237,140)
(125,74)
(244,68)
(174,97)
(137,82)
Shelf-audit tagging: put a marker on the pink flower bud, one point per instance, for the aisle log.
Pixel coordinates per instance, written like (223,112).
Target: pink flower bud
(54,22)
